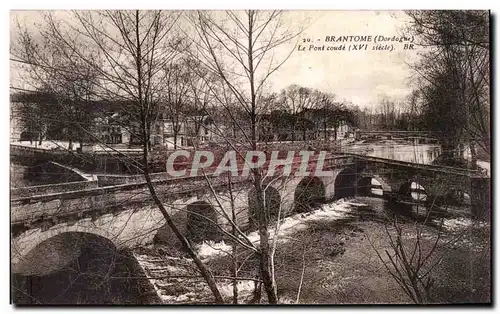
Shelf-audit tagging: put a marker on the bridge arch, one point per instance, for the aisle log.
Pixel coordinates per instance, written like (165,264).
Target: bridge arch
(457,197)
(22,245)
(413,190)
(74,267)
(56,252)
(367,181)
(202,222)
(309,191)
(272,201)
(345,183)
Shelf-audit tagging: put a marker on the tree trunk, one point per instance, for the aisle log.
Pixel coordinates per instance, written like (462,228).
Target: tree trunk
(265,251)
(257,293)
(461,151)
(473,153)
(234,245)
(205,272)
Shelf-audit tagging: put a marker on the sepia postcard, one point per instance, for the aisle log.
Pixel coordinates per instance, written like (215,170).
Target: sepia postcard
(163,157)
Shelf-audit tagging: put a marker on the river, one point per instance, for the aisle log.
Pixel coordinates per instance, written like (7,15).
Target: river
(418,153)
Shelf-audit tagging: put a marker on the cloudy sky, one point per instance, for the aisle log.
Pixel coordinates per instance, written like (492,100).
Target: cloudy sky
(359,76)
(362,77)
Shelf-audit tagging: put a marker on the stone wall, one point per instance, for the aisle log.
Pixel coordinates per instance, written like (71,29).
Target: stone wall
(112,179)
(30,191)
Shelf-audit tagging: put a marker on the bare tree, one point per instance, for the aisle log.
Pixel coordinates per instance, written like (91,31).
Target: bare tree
(200,106)
(238,47)
(56,72)
(128,51)
(409,261)
(329,113)
(454,70)
(177,84)
(295,100)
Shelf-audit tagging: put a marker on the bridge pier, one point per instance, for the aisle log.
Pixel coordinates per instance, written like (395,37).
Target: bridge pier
(480,198)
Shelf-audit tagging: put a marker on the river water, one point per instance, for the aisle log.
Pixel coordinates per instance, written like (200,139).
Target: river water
(419,153)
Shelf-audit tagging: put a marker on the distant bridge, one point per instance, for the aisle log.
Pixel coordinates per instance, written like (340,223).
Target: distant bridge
(392,134)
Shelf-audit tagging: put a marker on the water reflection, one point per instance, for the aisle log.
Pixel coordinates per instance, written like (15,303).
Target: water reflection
(380,207)
(376,188)
(417,191)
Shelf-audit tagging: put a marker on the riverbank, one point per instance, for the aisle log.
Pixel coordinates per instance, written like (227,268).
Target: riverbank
(330,255)
(342,265)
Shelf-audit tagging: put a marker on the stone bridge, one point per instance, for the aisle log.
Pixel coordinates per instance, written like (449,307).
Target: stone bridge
(43,227)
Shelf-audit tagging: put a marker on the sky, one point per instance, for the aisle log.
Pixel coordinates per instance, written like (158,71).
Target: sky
(361,77)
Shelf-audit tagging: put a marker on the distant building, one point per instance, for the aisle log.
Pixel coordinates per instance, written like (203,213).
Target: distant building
(17,125)
(109,125)
(188,131)
(26,120)
(282,126)
(109,131)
